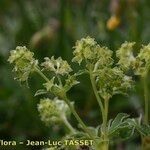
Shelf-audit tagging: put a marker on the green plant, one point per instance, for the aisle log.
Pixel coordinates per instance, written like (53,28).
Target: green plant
(140,64)
(107,77)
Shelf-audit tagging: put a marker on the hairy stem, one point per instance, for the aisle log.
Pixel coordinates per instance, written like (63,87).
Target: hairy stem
(105,145)
(41,74)
(67,124)
(59,80)
(105,117)
(104,111)
(70,106)
(77,117)
(146,106)
(96,94)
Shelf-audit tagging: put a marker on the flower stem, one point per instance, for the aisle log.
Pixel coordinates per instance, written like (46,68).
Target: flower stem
(104,111)
(67,124)
(105,117)
(96,94)
(70,106)
(105,145)
(146,106)
(59,80)
(77,117)
(41,74)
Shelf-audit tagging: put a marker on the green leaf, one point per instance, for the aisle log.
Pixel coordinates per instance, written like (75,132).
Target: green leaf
(40,92)
(143,129)
(120,126)
(118,121)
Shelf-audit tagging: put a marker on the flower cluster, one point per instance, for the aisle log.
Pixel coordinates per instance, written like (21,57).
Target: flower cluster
(142,64)
(70,82)
(58,89)
(104,58)
(125,55)
(88,50)
(111,81)
(107,78)
(53,111)
(58,66)
(84,49)
(23,61)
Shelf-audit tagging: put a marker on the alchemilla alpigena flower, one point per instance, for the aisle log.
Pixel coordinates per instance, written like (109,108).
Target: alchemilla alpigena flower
(53,111)
(58,66)
(139,63)
(109,78)
(84,49)
(112,81)
(125,55)
(58,89)
(142,64)
(23,61)
(88,50)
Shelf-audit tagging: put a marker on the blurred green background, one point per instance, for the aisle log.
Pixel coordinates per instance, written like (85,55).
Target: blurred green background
(51,27)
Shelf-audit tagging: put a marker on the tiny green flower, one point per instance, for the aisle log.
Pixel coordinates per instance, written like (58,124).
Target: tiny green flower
(142,64)
(84,49)
(21,52)
(103,57)
(57,88)
(49,85)
(70,82)
(54,88)
(23,61)
(88,50)
(125,55)
(53,111)
(111,81)
(58,66)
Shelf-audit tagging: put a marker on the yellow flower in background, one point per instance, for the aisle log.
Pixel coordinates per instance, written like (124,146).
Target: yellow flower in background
(113,22)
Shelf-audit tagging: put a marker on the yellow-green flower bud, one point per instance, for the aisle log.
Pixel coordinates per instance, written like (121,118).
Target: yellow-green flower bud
(54,88)
(103,57)
(58,66)
(84,49)
(23,62)
(58,89)
(70,82)
(125,55)
(88,50)
(53,111)
(49,85)
(142,64)
(111,81)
